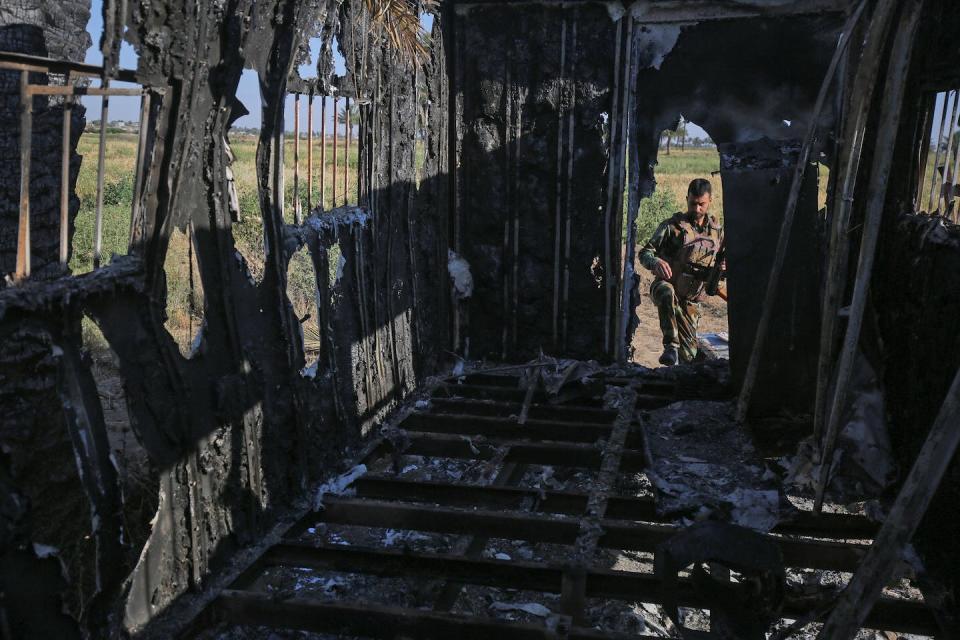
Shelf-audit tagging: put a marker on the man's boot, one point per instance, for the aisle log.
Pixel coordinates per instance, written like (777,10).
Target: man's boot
(670,356)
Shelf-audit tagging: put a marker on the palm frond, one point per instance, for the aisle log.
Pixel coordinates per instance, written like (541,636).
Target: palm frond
(400,20)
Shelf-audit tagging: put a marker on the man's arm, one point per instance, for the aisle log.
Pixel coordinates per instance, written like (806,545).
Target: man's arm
(649,254)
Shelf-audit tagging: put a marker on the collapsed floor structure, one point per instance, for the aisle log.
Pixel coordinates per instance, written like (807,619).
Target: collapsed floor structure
(513,237)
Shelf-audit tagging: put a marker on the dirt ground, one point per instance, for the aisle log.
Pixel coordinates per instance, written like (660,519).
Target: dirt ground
(647,341)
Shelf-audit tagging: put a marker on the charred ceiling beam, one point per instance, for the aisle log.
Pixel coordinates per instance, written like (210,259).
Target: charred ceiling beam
(673,11)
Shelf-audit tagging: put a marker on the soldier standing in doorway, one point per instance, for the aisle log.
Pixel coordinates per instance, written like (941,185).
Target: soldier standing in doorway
(683,253)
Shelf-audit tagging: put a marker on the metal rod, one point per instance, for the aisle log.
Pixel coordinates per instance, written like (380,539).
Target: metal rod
(101,158)
(323,151)
(65,177)
(25,62)
(346,150)
(296,158)
(611,185)
(333,181)
(310,152)
(946,159)
(936,158)
(57,90)
(26,131)
(559,193)
(786,226)
(887,128)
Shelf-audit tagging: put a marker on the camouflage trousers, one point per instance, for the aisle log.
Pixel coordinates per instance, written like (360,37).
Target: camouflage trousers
(679,320)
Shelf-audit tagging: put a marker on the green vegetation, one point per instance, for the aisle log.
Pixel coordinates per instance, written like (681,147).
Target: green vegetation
(673,174)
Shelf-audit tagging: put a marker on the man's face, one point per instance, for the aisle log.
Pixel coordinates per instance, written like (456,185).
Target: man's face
(698,205)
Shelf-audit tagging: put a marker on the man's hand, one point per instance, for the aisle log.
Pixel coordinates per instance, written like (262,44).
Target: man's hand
(662,269)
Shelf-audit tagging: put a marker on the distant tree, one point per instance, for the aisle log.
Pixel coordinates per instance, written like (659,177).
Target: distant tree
(681,132)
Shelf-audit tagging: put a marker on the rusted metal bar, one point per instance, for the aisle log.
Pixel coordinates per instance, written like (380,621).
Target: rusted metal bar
(26,138)
(346,151)
(58,90)
(39,64)
(101,159)
(790,211)
(65,177)
(296,159)
(908,510)
(887,129)
(310,152)
(333,181)
(323,152)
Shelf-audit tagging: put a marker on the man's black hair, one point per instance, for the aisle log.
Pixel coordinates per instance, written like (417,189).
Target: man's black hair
(699,187)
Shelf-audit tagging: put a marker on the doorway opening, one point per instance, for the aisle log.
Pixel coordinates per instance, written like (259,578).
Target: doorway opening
(685,153)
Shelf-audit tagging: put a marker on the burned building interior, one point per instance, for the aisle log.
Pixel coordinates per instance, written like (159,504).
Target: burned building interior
(469,450)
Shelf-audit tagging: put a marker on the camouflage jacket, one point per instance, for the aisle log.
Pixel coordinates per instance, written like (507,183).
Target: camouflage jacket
(681,243)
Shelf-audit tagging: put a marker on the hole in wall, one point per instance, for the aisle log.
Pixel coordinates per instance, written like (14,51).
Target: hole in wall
(185,298)
(243,138)
(938,186)
(121,125)
(139,480)
(303,297)
(685,153)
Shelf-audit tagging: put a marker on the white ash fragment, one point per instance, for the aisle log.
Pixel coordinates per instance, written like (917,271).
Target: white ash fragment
(460,275)
(533,608)
(338,485)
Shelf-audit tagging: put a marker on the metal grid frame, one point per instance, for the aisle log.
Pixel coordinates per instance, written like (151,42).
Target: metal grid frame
(497,408)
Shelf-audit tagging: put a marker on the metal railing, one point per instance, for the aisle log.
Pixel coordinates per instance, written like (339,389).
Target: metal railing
(336,174)
(27,64)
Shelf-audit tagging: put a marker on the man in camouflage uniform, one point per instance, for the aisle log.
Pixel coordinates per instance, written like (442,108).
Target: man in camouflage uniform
(681,252)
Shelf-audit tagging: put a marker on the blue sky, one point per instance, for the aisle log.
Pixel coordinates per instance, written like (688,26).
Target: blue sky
(128,108)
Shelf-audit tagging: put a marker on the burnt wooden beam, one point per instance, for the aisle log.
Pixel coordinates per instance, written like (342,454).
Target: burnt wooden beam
(894,614)
(378,621)
(556,529)
(125,273)
(670,11)
(642,508)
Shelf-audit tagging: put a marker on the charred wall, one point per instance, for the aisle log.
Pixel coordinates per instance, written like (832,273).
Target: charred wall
(545,102)
(240,428)
(916,306)
(536,98)
(19,35)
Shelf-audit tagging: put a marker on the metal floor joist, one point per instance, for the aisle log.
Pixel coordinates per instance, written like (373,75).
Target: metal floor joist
(496,419)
